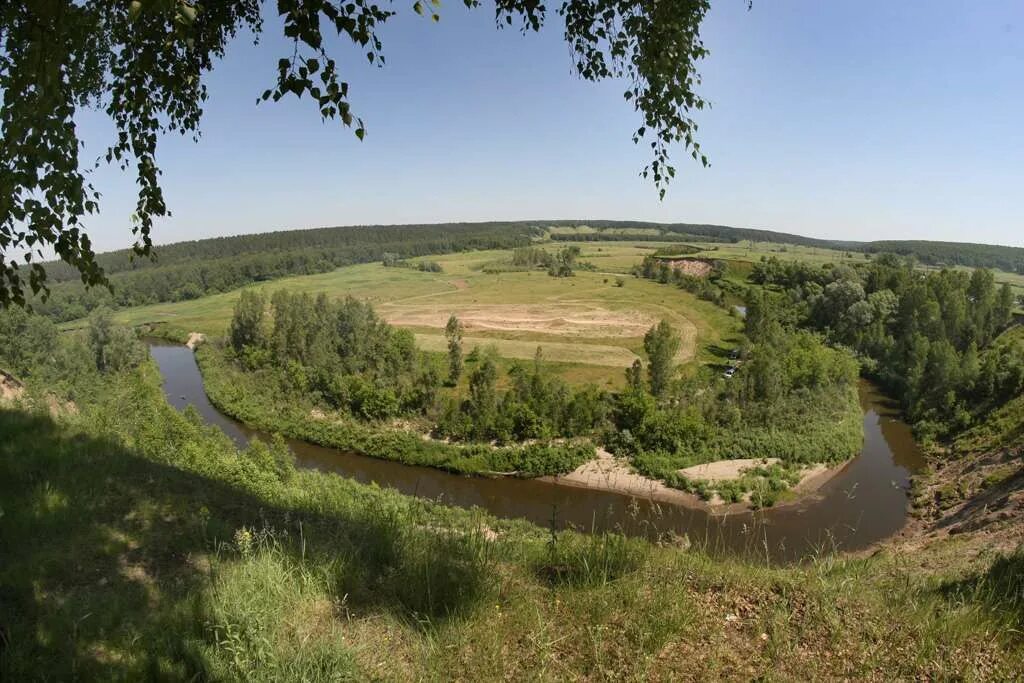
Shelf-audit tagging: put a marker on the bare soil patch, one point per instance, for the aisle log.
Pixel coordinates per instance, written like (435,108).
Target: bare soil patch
(571,320)
(608,473)
(195,339)
(11,389)
(725,470)
(692,267)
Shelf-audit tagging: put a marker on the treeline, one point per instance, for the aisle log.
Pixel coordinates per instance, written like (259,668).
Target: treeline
(1010,259)
(927,336)
(188,270)
(32,348)
(701,232)
(606,236)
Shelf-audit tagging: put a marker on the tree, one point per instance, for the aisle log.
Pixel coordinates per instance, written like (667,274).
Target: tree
(453,332)
(113,347)
(1003,309)
(635,376)
(661,344)
(143,64)
(246,327)
(562,264)
(26,341)
(483,396)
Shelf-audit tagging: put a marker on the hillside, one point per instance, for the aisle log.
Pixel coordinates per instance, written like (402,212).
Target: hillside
(169,554)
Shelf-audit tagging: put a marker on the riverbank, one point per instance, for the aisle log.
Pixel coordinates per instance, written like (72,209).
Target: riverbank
(608,473)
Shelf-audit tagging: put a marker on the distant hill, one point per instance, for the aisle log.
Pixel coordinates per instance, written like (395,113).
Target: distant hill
(187,270)
(712,233)
(339,245)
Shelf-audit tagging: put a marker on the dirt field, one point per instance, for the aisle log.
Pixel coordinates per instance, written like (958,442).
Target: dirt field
(563,319)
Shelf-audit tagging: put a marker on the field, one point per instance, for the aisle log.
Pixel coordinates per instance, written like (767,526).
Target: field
(587,322)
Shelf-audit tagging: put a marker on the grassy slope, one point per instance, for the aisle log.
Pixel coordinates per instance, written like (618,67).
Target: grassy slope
(137,543)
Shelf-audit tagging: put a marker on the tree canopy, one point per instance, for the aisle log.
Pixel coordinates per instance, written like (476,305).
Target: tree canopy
(143,63)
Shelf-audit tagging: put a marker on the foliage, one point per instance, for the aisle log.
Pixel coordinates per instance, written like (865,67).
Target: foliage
(562,263)
(26,341)
(661,343)
(707,288)
(57,58)
(114,348)
(1010,259)
(536,406)
(928,336)
(262,399)
(453,335)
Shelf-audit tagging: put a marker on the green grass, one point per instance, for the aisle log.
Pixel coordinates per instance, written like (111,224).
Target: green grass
(587,323)
(139,544)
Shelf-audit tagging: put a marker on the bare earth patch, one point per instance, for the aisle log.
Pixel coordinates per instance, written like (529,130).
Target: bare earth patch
(10,388)
(692,267)
(195,339)
(571,320)
(608,473)
(725,470)
(812,477)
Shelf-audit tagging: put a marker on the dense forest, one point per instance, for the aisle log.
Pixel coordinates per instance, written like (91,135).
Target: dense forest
(1010,259)
(929,337)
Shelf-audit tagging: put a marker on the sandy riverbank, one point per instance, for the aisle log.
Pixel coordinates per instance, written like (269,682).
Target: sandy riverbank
(608,473)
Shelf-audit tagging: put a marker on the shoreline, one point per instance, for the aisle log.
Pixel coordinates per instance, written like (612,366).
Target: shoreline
(608,473)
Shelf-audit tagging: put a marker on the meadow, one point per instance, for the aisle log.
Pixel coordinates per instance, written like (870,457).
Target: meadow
(590,326)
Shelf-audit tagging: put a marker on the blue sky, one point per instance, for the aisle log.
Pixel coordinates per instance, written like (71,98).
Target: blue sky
(856,119)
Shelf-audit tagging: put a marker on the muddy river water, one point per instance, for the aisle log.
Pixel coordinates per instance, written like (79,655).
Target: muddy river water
(864,503)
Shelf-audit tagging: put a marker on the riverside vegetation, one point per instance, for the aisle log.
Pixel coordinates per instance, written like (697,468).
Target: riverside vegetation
(140,543)
(333,373)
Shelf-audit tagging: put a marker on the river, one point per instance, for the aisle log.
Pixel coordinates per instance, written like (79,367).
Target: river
(864,503)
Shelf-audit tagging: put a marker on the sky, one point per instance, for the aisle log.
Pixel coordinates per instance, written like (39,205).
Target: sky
(846,119)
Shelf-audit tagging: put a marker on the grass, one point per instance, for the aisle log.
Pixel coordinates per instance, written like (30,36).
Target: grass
(587,323)
(139,544)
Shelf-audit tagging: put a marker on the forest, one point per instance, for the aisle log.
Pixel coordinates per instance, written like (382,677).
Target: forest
(929,337)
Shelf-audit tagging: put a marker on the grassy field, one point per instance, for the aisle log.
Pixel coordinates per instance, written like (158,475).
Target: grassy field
(587,323)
